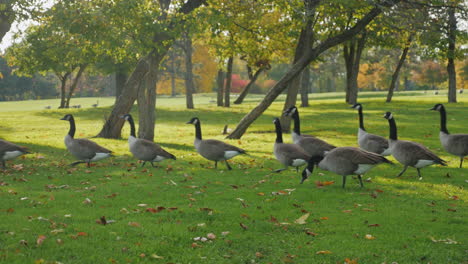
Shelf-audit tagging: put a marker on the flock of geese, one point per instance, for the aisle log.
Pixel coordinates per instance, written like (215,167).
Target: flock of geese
(305,150)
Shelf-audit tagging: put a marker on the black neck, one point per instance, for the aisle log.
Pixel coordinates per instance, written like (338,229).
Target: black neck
(279,134)
(72,130)
(297,123)
(393,129)
(443,120)
(132,126)
(361,119)
(198,130)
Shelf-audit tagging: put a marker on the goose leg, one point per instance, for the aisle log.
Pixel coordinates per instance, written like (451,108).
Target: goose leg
(360,181)
(279,170)
(3,164)
(216,164)
(227,165)
(88,164)
(77,162)
(143,164)
(297,169)
(419,173)
(403,171)
(461,162)
(154,166)
(344,182)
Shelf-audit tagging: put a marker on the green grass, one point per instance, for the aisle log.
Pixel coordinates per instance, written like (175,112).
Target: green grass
(40,195)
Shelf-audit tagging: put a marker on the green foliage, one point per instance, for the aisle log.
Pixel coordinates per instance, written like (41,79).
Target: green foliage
(52,212)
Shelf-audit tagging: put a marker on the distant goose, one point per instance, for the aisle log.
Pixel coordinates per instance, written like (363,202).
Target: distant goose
(96,104)
(345,161)
(212,149)
(9,151)
(143,149)
(410,153)
(370,142)
(288,154)
(83,149)
(456,144)
(312,145)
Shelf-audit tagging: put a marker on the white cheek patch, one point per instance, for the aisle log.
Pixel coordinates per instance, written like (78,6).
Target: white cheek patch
(230,153)
(11,154)
(423,163)
(100,156)
(298,162)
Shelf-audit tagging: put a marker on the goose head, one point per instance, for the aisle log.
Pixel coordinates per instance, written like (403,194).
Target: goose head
(310,167)
(388,116)
(357,106)
(194,121)
(437,107)
(67,117)
(290,111)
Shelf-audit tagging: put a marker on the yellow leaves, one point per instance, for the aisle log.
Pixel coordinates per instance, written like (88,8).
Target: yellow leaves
(369,237)
(350,261)
(302,220)
(447,241)
(323,252)
(320,184)
(40,239)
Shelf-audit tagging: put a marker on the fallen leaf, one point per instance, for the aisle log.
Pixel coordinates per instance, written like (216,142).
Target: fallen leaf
(350,261)
(258,255)
(243,226)
(374,225)
(40,239)
(134,224)
(82,234)
(370,237)
(302,220)
(323,252)
(445,241)
(211,236)
(320,184)
(260,194)
(310,233)
(156,256)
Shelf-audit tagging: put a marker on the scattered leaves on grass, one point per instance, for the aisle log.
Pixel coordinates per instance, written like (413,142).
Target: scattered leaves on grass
(320,184)
(211,236)
(323,252)
(258,255)
(445,241)
(369,237)
(134,224)
(310,233)
(302,220)
(243,226)
(350,261)
(156,256)
(87,201)
(23,242)
(225,233)
(260,194)
(40,239)
(155,210)
(374,225)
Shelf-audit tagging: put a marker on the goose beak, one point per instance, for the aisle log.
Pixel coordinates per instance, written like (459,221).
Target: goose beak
(433,108)
(63,118)
(305,174)
(188,122)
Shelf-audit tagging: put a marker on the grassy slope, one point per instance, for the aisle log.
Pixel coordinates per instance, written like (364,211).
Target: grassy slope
(38,197)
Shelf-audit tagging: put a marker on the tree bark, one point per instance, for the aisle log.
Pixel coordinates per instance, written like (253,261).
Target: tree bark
(305,84)
(247,88)
(74,84)
(352,52)
(147,99)
(173,74)
(227,90)
(452,76)
(303,44)
(309,55)
(120,79)
(113,124)
(220,84)
(63,85)
(396,73)
(189,85)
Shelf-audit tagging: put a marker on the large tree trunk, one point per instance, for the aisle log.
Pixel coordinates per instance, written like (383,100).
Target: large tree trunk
(220,84)
(189,85)
(303,45)
(147,99)
(245,91)
(452,76)
(63,84)
(173,74)
(74,84)
(396,73)
(352,52)
(227,90)
(113,125)
(120,79)
(310,54)
(305,84)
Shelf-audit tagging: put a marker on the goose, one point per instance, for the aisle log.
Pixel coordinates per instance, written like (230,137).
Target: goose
(212,149)
(370,142)
(83,149)
(345,161)
(143,149)
(288,154)
(456,144)
(9,151)
(410,153)
(311,145)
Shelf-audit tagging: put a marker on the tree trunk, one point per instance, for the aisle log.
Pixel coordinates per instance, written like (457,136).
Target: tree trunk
(7,16)
(220,84)
(227,90)
(452,76)
(352,52)
(113,125)
(247,88)
(147,100)
(74,84)
(396,73)
(189,86)
(63,84)
(305,84)
(311,54)
(173,74)
(303,44)
(120,79)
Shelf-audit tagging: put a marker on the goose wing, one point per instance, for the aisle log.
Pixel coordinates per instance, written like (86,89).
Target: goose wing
(148,150)
(358,156)
(414,151)
(86,149)
(374,143)
(8,146)
(314,146)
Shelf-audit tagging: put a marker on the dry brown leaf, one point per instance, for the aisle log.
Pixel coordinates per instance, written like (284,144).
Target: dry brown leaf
(40,239)
(134,224)
(369,236)
(323,252)
(302,220)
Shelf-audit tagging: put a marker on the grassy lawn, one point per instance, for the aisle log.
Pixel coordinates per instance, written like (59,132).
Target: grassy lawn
(52,212)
